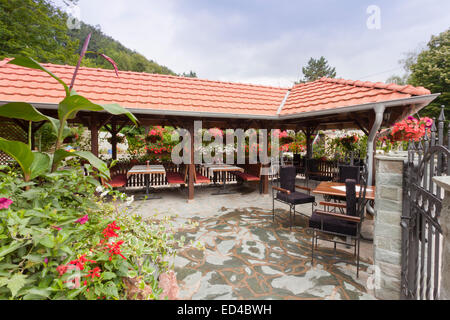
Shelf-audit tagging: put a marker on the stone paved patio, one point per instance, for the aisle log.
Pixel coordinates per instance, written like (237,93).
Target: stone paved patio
(248,256)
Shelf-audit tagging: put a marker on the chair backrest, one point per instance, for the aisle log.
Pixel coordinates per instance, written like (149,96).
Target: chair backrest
(287,178)
(349,172)
(356,204)
(350,197)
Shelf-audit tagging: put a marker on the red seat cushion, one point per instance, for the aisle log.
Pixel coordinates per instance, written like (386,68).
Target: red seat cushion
(118,181)
(202,179)
(174,178)
(247,177)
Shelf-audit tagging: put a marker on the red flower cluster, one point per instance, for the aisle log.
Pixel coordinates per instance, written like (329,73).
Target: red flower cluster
(80,262)
(114,249)
(410,129)
(94,273)
(109,232)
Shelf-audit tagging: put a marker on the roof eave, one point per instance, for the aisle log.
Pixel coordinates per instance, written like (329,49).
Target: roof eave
(419,102)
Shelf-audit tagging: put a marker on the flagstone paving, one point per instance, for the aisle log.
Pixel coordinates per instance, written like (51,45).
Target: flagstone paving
(248,256)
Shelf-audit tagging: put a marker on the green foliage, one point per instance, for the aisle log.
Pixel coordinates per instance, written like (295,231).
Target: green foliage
(316,69)
(432,71)
(35,28)
(39,29)
(33,164)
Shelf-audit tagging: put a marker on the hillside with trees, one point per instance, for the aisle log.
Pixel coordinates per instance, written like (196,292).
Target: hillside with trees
(38,29)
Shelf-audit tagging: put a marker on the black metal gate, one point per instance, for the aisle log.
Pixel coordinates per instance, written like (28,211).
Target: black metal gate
(422,202)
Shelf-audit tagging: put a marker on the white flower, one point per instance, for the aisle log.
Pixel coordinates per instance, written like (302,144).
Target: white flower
(99,189)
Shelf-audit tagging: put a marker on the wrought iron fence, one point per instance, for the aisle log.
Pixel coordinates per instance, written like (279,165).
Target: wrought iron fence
(422,203)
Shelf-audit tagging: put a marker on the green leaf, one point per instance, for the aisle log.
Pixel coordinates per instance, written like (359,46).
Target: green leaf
(16,283)
(69,107)
(108,275)
(33,164)
(33,64)
(35,294)
(13,246)
(40,164)
(93,160)
(110,289)
(48,241)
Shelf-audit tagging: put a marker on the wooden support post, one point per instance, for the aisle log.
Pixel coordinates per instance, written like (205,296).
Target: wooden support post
(191,167)
(94,136)
(309,151)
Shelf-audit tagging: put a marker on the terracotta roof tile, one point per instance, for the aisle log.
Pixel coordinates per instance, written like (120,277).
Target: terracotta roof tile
(327,93)
(163,92)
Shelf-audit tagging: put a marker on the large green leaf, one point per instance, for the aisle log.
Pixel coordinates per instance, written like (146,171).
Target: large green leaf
(40,164)
(69,107)
(25,111)
(86,155)
(33,64)
(33,164)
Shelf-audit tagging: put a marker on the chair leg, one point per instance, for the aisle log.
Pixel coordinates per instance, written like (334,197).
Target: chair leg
(290,217)
(293,220)
(357,259)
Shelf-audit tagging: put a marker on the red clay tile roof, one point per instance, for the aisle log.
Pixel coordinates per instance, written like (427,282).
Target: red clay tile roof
(327,93)
(170,93)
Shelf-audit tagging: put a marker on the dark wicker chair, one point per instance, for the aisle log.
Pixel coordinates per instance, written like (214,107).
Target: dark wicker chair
(324,222)
(286,193)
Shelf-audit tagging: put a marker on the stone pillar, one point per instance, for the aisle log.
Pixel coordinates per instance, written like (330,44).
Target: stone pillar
(387,229)
(444,183)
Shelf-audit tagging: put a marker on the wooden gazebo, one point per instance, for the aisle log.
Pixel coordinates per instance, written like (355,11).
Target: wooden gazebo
(177,101)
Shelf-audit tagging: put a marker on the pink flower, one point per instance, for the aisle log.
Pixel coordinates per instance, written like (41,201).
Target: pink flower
(5,203)
(83,219)
(56,228)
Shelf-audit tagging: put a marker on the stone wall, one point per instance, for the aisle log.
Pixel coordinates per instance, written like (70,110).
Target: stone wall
(387,230)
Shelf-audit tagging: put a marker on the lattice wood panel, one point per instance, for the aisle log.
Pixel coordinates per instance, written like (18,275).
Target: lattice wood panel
(10,131)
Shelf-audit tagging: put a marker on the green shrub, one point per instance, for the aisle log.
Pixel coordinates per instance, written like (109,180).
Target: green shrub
(59,241)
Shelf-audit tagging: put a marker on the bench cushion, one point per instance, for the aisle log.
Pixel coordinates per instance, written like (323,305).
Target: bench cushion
(247,177)
(174,178)
(118,181)
(201,179)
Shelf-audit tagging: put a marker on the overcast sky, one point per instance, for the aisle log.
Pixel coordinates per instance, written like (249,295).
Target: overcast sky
(268,41)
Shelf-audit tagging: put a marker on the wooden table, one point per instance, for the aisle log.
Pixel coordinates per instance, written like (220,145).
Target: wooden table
(328,188)
(213,169)
(149,171)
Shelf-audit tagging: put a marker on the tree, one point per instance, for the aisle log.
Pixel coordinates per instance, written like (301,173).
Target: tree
(397,80)
(316,69)
(191,74)
(432,71)
(35,28)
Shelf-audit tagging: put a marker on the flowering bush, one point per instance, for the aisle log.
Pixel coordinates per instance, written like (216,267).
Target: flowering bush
(410,129)
(58,241)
